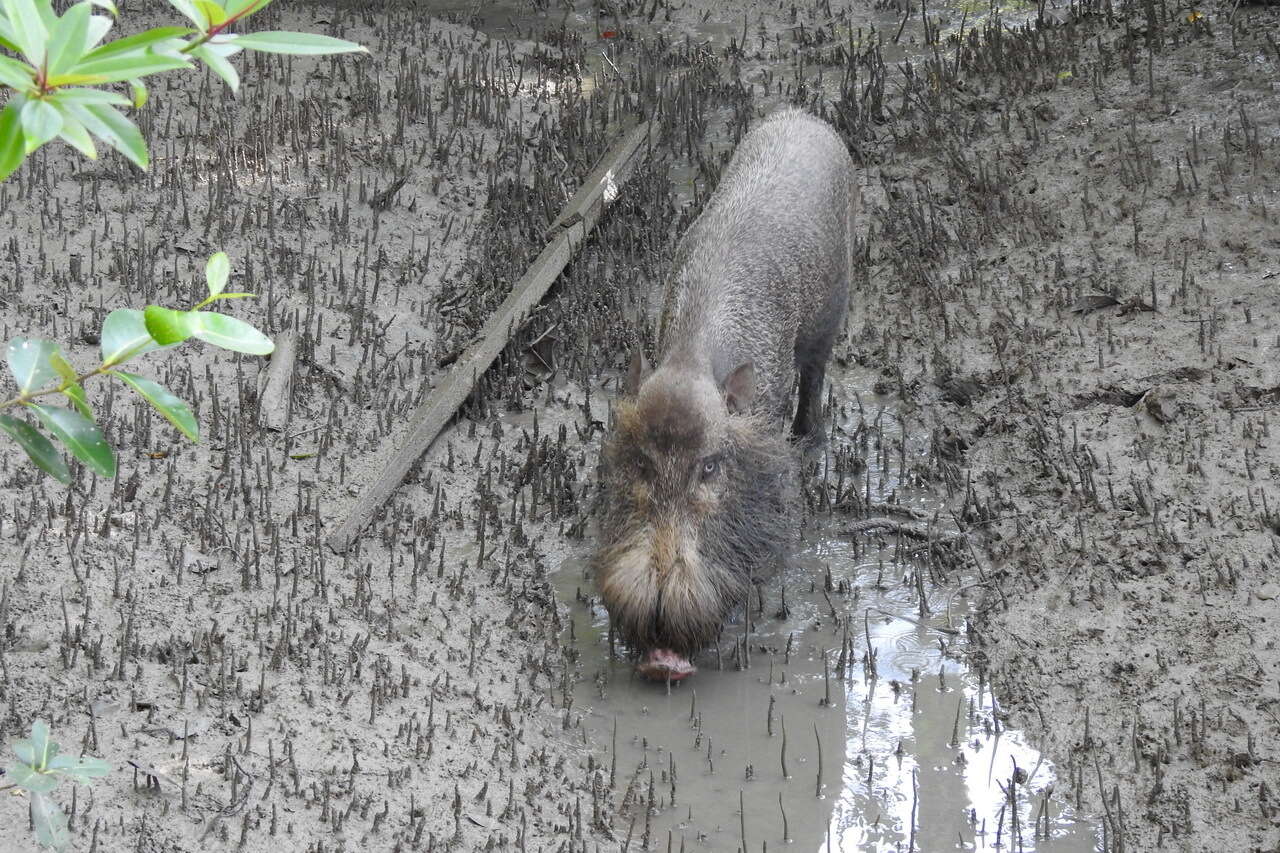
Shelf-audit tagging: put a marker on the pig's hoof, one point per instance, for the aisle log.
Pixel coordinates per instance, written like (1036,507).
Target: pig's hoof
(665,665)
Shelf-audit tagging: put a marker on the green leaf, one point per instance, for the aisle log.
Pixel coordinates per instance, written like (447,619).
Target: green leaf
(241,9)
(139,94)
(67,42)
(24,748)
(138,41)
(50,822)
(230,333)
(44,8)
(89,121)
(108,5)
(212,12)
(42,452)
(82,97)
(216,272)
(29,31)
(30,362)
(282,41)
(165,402)
(57,82)
(80,769)
(12,148)
(40,123)
(7,38)
(73,389)
(186,7)
(97,31)
(124,335)
(42,744)
(168,326)
(75,393)
(116,130)
(126,66)
(74,134)
(63,367)
(15,74)
(80,435)
(215,59)
(31,779)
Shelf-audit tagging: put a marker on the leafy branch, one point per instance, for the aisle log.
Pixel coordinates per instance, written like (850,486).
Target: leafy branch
(38,771)
(40,370)
(62,57)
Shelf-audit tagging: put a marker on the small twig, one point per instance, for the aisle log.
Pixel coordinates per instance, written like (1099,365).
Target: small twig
(911,531)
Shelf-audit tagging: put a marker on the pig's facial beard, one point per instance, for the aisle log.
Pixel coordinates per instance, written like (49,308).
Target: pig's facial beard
(660,591)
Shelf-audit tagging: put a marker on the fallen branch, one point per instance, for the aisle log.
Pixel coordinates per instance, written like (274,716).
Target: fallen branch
(567,233)
(856,505)
(273,405)
(899,528)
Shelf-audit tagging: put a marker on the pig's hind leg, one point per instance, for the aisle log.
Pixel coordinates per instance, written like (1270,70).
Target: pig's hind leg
(812,352)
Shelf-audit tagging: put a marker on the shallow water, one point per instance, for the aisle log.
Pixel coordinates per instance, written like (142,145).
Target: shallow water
(906,758)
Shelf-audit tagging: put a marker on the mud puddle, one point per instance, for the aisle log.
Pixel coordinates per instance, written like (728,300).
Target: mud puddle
(791,731)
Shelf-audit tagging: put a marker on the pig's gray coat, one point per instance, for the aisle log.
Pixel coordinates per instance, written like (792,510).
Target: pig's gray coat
(762,275)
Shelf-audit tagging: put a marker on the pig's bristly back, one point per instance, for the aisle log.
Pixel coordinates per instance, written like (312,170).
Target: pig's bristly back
(763,256)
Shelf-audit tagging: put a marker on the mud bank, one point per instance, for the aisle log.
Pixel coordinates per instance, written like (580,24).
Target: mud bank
(1073,264)
(252,689)
(1068,289)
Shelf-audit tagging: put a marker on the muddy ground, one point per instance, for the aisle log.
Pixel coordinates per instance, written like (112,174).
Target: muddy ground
(1077,262)
(1070,285)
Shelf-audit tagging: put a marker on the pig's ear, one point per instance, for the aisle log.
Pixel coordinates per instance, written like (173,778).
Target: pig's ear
(636,373)
(739,388)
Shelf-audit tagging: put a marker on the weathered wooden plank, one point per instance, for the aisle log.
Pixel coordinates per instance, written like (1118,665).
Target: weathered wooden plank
(570,228)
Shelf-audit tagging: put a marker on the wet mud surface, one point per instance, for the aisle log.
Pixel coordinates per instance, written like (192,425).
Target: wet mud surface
(1068,296)
(791,732)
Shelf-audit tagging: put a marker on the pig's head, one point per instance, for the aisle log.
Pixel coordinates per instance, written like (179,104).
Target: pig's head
(693,510)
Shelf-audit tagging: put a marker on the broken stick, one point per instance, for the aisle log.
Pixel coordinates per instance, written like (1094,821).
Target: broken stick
(273,399)
(867,526)
(570,229)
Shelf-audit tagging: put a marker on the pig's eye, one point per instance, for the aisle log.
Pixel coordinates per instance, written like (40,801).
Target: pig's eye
(646,467)
(709,467)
